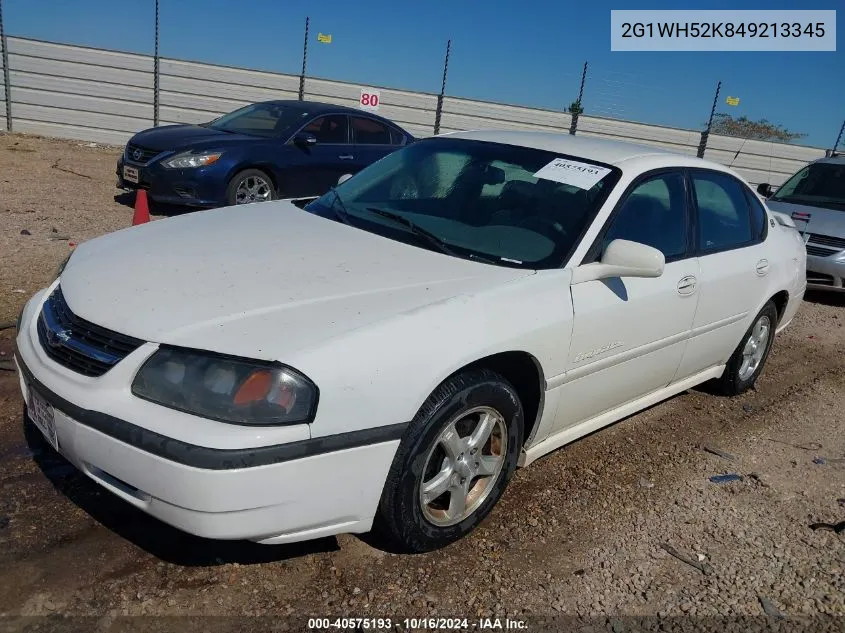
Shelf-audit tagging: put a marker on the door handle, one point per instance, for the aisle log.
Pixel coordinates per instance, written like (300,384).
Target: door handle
(346,157)
(687,285)
(763,267)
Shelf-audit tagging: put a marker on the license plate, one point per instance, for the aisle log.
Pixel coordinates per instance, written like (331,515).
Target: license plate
(43,416)
(130,174)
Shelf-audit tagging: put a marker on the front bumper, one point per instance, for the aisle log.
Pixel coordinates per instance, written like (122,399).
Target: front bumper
(207,478)
(202,187)
(826,273)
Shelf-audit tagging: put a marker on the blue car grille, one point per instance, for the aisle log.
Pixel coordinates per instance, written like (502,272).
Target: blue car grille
(139,155)
(78,344)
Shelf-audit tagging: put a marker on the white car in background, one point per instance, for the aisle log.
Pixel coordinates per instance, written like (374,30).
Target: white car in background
(815,200)
(387,355)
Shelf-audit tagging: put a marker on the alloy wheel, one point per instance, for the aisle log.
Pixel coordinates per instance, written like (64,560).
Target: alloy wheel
(253,189)
(463,465)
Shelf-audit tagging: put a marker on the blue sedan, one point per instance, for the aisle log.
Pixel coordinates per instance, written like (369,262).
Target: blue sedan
(274,149)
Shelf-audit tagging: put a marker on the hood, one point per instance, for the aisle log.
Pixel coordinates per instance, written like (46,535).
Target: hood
(184,137)
(822,221)
(259,281)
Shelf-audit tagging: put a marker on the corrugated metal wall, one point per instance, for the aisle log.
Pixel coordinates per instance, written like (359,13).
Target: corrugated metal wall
(2,98)
(106,96)
(760,161)
(79,93)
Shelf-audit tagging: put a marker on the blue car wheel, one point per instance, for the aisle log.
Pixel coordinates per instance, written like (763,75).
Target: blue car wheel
(250,185)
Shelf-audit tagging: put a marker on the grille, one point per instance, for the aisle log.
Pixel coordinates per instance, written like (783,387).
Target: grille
(820,278)
(819,251)
(79,344)
(826,240)
(146,155)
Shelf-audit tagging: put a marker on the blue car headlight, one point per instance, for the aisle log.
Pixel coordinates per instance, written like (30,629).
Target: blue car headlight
(226,388)
(187,160)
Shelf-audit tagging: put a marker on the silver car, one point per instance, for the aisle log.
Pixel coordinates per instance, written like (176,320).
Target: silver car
(815,200)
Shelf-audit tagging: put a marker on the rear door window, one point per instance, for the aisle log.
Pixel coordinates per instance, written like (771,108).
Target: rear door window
(724,221)
(369,132)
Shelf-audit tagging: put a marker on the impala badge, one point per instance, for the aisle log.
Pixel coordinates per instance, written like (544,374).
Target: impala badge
(598,351)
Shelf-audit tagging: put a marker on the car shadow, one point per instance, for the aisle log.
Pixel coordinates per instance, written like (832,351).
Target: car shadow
(834,299)
(127,199)
(159,539)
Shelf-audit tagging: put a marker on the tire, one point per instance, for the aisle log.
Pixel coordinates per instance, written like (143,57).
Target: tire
(737,378)
(250,185)
(464,403)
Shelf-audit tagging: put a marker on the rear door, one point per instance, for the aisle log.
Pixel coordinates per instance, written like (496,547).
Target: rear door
(313,170)
(730,230)
(630,334)
(372,139)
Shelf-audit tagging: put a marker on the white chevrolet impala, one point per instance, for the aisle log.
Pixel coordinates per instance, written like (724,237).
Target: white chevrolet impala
(386,355)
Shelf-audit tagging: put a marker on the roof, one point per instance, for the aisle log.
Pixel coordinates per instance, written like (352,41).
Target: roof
(316,106)
(838,159)
(599,150)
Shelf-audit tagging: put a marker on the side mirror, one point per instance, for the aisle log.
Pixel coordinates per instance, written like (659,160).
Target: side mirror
(765,189)
(343,178)
(305,139)
(623,258)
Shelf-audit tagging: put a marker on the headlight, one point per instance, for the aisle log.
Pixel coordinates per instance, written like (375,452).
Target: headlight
(189,159)
(225,388)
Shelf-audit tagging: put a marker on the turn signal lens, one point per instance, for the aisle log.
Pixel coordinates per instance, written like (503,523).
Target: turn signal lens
(254,388)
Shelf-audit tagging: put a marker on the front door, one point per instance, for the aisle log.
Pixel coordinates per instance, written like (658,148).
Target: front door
(313,170)
(629,334)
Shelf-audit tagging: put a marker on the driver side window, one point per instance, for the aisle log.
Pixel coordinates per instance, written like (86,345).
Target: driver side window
(655,214)
(330,129)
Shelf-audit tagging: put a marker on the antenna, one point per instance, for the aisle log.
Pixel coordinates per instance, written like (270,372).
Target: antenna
(739,150)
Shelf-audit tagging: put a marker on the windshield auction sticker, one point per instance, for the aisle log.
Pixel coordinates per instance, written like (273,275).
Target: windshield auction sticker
(571,172)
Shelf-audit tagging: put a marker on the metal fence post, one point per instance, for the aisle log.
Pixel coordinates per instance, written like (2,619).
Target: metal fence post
(156,76)
(439,111)
(832,152)
(304,60)
(573,124)
(4,51)
(706,133)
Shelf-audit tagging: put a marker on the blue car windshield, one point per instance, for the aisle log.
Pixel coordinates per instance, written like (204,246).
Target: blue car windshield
(502,204)
(270,120)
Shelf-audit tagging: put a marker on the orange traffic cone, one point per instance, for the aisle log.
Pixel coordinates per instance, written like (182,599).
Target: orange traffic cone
(142,208)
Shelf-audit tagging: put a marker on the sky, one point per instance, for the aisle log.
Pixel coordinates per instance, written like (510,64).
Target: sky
(511,52)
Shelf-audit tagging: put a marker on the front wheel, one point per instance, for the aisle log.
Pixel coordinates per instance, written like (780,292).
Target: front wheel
(454,462)
(250,185)
(746,363)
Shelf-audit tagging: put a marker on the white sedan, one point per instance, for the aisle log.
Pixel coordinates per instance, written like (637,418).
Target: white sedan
(386,355)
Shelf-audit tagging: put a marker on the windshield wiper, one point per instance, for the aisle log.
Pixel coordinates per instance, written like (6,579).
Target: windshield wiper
(340,213)
(428,236)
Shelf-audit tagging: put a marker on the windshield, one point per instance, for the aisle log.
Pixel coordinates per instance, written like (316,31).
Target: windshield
(818,185)
(261,119)
(476,200)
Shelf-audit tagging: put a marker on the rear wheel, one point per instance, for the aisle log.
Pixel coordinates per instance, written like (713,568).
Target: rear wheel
(453,463)
(250,185)
(747,361)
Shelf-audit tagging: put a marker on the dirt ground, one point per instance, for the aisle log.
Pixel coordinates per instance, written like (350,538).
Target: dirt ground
(583,533)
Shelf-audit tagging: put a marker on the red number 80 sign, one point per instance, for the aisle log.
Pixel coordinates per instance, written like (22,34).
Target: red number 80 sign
(369,99)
